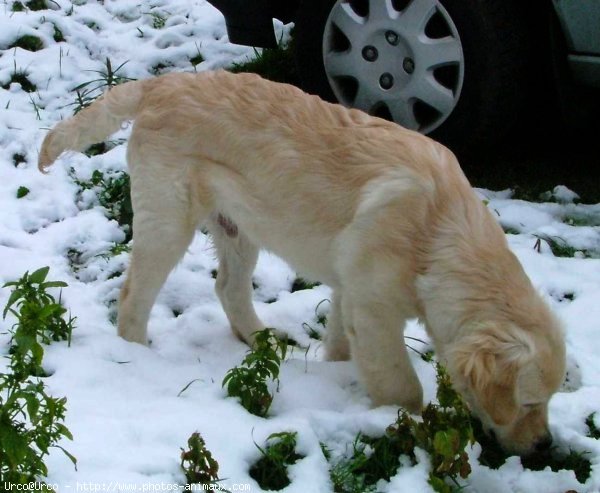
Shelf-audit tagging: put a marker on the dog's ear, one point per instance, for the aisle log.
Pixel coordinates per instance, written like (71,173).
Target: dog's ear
(489,359)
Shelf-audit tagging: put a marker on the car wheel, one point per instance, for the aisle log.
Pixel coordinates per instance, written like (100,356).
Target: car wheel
(454,69)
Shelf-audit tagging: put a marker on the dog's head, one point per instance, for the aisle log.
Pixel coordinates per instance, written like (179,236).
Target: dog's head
(507,376)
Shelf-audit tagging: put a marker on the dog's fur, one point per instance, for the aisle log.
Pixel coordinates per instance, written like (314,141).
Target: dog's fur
(382,214)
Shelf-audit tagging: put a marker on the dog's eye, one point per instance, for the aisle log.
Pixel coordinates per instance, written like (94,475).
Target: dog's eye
(531,406)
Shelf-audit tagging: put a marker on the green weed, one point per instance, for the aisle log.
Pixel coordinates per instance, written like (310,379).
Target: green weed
(560,248)
(493,456)
(198,464)
(31,421)
(18,158)
(573,461)
(300,284)
(444,433)
(17,7)
(28,42)
(270,472)
(593,430)
(22,192)
(276,64)
(114,195)
(58,35)
(197,59)
(248,382)
(19,76)
(37,5)
(159,19)
(87,92)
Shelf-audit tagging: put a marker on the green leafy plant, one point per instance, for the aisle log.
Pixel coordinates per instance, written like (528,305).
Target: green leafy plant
(248,382)
(197,462)
(444,433)
(270,471)
(22,192)
(113,192)
(31,421)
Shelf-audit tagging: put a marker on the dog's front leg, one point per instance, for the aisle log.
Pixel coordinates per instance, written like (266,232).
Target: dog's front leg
(378,348)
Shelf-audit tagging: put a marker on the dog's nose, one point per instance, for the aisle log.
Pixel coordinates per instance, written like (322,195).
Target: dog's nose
(544,443)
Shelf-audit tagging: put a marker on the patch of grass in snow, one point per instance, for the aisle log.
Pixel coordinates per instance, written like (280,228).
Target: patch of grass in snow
(58,35)
(593,430)
(582,220)
(18,158)
(17,7)
(37,5)
(493,456)
(560,248)
(87,92)
(198,464)
(300,284)
(270,472)
(159,19)
(276,64)
(28,42)
(31,421)
(22,192)
(20,76)
(113,192)
(248,382)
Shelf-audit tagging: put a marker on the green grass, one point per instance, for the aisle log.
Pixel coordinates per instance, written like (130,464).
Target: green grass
(58,35)
(560,248)
(37,5)
(300,284)
(17,6)
(276,64)
(18,158)
(20,76)
(113,192)
(22,192)
(593,430)
(270,471)
(28,42)
(493,456)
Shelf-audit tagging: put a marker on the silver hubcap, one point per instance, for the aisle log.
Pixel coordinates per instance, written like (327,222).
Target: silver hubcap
(399,59)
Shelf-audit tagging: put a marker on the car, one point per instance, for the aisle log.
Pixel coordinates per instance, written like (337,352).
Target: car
(463,71)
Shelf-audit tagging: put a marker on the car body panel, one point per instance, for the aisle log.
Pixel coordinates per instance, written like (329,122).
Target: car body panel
(580,21)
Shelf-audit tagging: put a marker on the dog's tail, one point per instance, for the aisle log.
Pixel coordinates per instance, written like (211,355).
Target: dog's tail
(94,123)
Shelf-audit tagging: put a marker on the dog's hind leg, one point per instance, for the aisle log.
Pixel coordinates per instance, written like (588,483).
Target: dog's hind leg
(237,259)
(337,346)
(164,223)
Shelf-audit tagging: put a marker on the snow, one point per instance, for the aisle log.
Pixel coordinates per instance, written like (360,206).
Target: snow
(124,408)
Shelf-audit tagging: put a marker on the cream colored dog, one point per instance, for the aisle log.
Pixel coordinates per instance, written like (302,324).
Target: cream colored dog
(381,214)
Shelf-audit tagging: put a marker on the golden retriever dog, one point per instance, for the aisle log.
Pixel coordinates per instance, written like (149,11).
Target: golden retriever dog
(381,214)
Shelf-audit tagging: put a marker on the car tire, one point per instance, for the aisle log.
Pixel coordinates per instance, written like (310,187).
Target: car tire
(490,96)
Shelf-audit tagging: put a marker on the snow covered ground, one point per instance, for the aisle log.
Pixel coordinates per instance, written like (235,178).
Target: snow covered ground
(123,406)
